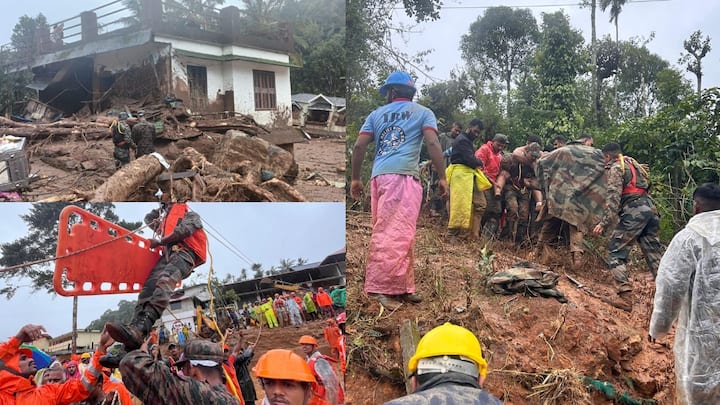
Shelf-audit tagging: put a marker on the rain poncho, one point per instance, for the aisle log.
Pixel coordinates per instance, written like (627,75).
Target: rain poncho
(688,289)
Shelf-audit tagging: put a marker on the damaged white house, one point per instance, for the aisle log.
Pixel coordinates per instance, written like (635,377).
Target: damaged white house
(211,63)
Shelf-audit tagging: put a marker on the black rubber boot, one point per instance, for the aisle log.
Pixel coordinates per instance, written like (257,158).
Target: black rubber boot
(132,335)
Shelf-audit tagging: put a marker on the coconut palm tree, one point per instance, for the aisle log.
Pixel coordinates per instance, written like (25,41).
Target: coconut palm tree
(615,10)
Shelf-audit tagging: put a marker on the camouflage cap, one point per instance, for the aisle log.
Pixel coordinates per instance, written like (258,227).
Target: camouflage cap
(201,353)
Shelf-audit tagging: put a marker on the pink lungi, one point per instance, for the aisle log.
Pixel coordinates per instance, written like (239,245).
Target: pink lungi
(395,202)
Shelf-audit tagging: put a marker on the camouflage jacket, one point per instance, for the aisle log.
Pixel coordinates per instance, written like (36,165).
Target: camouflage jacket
(154,384)
(448,389)
(617,179)
(573,181)
(126,142)
(143,134)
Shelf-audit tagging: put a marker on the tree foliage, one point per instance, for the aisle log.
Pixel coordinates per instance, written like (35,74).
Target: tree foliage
(615,10)
(319,34)
(500,42)
(559,61)
(29,33)
(41,243)
(697,48)
(123,313)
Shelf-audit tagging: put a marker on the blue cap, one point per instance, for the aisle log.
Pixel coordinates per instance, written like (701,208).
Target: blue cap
(397,78)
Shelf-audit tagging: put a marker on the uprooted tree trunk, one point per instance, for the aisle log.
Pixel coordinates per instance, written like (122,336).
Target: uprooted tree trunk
(128,179)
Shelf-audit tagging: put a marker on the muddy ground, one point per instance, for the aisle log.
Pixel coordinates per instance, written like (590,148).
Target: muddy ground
(75,164)
(538,349)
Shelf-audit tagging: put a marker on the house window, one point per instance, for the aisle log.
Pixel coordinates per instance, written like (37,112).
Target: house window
(197,82)
(264,83)
(176,305)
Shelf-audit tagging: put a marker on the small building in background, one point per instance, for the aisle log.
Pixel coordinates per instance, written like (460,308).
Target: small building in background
(319,115)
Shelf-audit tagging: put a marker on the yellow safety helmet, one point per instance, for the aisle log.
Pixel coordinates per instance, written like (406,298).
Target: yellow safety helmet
(449,340)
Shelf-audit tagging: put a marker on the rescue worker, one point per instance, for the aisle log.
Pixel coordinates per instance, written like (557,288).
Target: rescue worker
(293,310)
(201,383)
(240,360)
(447,368)
(468,183)
(232,384)
(122,139)
(269,313)
(324,302)
(17,366)
(278,305)
(328,385)
(84,361)
(398,130)
(184,242)
(143,134)
(627,197)
(332,336)
(490,154)
(309,306)
(286,379)
(686,291)
(515,183)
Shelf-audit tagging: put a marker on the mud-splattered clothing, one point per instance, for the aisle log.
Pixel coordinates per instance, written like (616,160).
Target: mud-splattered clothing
(154,383)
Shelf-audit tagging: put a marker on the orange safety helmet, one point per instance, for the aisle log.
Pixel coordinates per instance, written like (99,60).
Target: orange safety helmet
(308,340)
(283,364)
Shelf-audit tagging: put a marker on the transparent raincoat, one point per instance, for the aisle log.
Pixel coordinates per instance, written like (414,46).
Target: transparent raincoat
(688,289)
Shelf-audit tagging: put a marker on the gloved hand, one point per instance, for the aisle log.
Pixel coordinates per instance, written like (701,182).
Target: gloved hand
(155,243)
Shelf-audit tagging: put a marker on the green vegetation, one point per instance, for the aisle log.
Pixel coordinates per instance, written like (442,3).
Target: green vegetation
(541,80)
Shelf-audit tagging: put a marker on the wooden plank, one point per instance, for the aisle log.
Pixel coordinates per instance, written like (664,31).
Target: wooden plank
(409,338)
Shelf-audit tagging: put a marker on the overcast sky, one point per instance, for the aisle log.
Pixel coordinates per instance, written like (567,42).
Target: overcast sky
(265,233)
(672,22)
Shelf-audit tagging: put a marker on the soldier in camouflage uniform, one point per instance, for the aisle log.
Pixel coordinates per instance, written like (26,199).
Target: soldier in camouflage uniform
(153,382)
(184,245)
(447,368)
(572,179)
(516,182)
(639,220)
(122,140)
(143,134)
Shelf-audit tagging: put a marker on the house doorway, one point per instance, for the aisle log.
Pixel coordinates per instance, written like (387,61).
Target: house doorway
(197,81)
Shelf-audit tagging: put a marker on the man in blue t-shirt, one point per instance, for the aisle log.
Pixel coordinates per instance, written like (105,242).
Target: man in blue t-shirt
(398,129)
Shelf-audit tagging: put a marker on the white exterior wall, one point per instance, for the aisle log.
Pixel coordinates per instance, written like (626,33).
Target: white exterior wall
(245,92)
(236,75)
(184,314)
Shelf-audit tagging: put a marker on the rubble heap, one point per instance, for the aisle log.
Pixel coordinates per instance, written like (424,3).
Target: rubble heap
(216,157)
